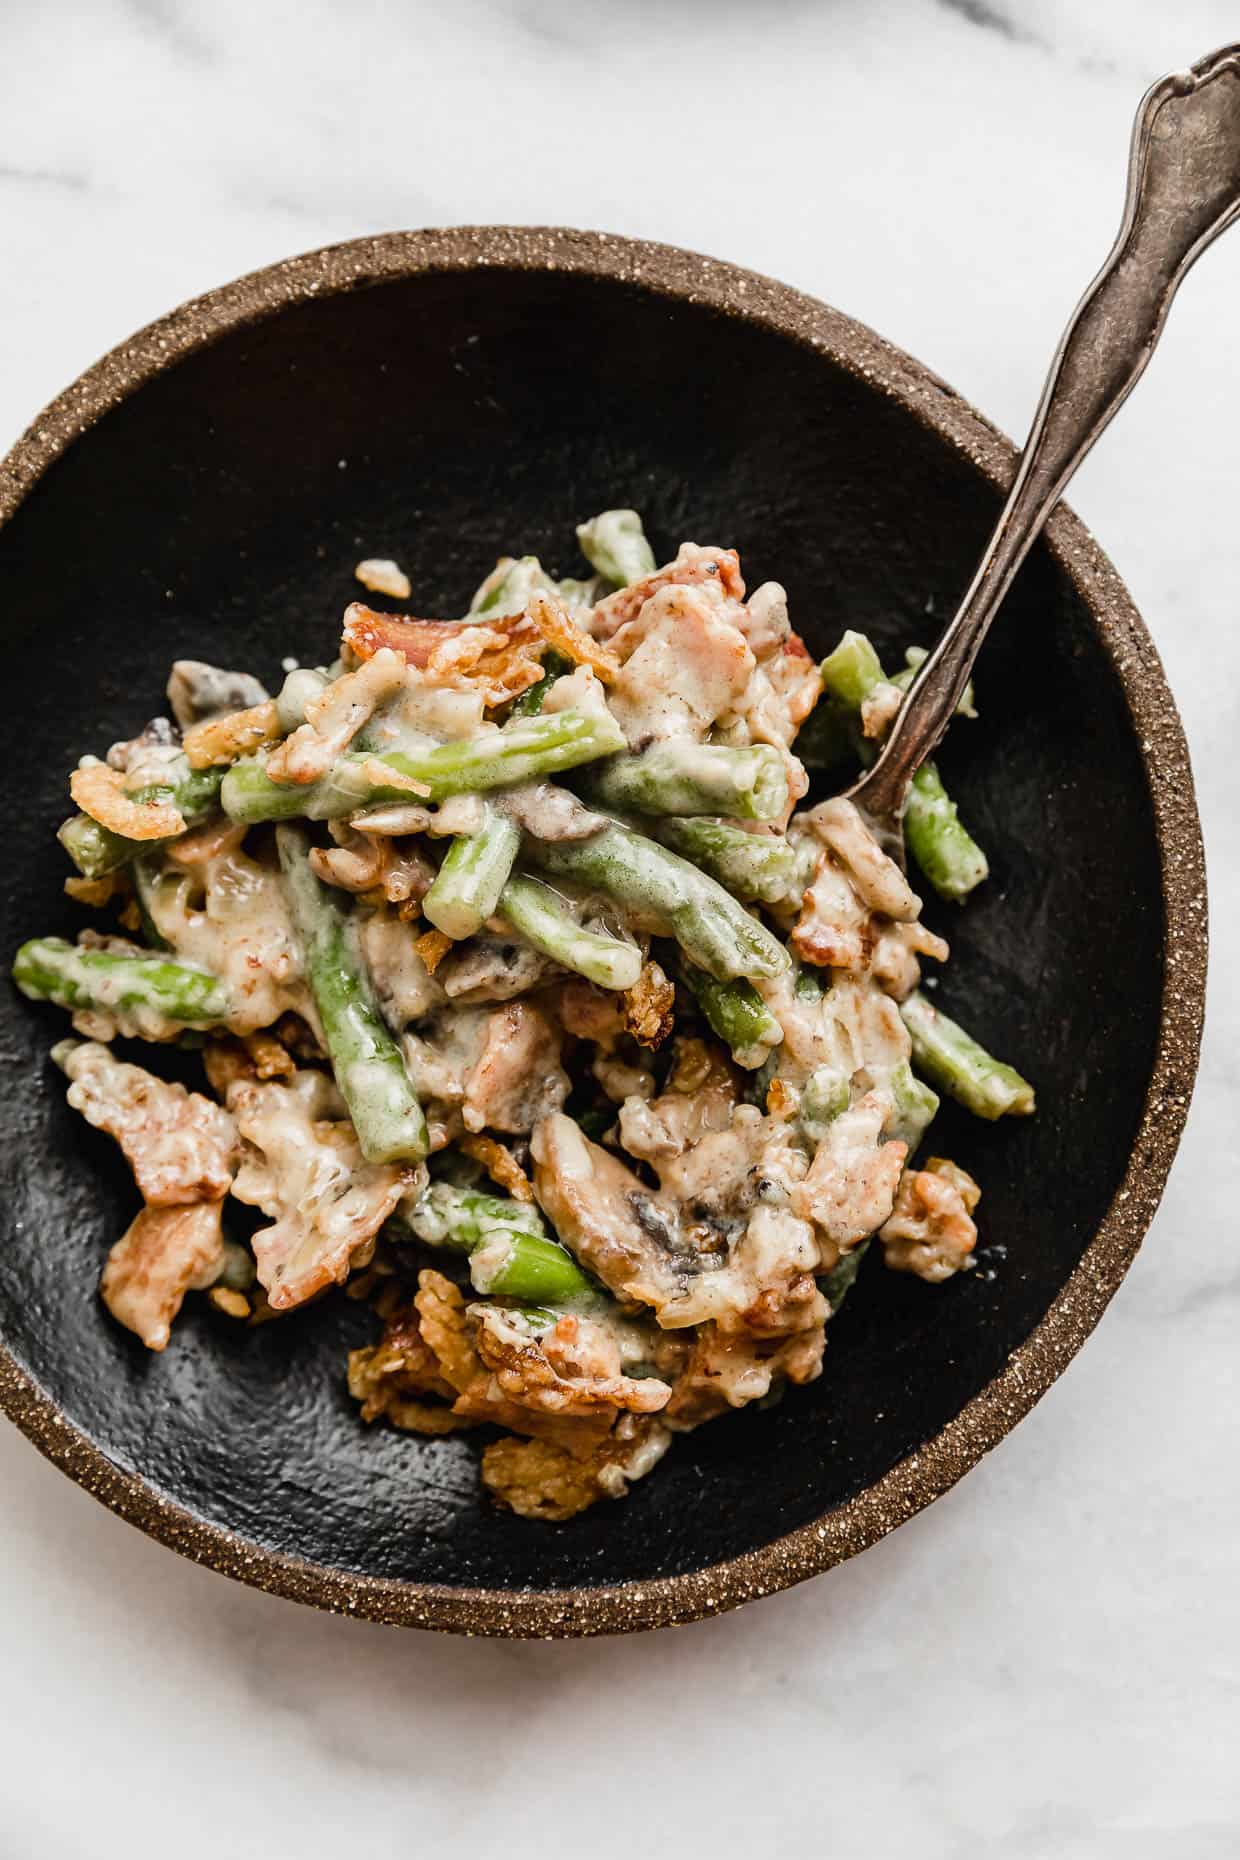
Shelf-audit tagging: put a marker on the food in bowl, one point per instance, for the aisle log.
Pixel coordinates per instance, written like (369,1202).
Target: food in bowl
(539,1006)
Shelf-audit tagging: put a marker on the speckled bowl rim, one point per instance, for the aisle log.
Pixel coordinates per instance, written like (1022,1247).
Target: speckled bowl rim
(668,272)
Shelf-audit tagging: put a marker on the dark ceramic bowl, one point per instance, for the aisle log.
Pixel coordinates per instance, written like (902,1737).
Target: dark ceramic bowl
(205,491)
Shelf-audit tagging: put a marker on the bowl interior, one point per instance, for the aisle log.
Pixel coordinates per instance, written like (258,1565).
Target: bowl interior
(445,418)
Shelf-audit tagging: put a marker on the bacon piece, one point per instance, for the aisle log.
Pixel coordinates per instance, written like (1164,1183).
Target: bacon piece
(518,1078)
(505,670)
(207,842)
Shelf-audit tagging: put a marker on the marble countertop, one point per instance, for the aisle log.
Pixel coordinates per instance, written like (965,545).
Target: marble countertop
(1047,1662)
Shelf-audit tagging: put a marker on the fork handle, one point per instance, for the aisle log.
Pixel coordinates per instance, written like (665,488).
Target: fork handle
(1183,191)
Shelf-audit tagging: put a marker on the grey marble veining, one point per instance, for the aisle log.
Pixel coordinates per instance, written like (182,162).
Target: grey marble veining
(1048,1661)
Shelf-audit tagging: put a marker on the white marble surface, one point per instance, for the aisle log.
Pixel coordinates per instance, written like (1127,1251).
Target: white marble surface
(1048,1661)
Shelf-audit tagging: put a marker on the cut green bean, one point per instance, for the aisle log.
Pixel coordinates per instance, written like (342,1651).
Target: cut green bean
(681,777)
(546,923)
(914,658)
(736,1012)
(301,686)
(108,981)
(367,1062)
(477,866)
(825,1096)
(757,868)
(836,1284)
(614,544)
(519,751)
(511,1254)
(662,892)
(959,1066)
(147,881)
(508,587)
(914,1106)
(95,850)
(851,672)
(511,583)
(944,849)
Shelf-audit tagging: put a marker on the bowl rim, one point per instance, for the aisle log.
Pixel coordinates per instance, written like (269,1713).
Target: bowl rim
(673,273)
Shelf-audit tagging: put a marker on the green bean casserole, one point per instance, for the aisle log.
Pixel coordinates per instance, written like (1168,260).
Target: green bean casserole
(535,1002)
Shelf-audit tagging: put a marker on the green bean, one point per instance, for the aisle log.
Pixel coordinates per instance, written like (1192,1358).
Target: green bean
(545,922)
(116,982)
(96,850)
(736,1012)
(476,868)
(511,583)
(511,1253)
(614,544)
(522,749)
(755,867)
(850,673)
(914,658)
(147,881)
(915,1106)
(530,702)
(945,851)
(508,587)
(836,1284)
(301,686)
(680,777)
(960,1067)
(825,1096)
(663,892)
(367,1062)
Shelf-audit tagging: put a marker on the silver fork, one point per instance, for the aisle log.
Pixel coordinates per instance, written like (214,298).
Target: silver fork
(1183,191)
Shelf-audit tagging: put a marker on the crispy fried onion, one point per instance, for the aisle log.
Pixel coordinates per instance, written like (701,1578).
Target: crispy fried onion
(180,1146)
(238,733)
(432,947)
(398,1379)
(561,631)
(545,1480)
(931,1231)
(100,792)
(594,1426)
(163,1254)
(500,1164)
(729,1369)
(309,1177)
(649,1006)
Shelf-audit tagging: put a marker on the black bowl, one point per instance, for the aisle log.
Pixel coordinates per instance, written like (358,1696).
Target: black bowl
(205,491)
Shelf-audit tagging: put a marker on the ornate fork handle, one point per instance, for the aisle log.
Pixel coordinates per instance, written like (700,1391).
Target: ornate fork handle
(1183,191)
